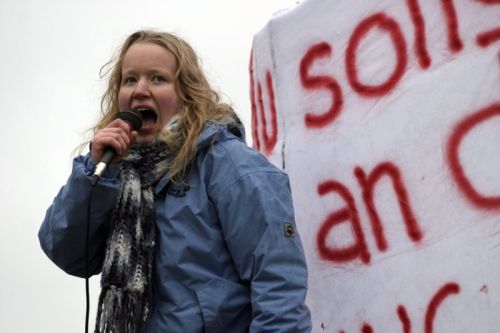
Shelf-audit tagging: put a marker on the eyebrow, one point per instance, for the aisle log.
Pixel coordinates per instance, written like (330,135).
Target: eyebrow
(149,71)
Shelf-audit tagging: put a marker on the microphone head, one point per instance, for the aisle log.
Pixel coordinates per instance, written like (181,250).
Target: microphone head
(133,117)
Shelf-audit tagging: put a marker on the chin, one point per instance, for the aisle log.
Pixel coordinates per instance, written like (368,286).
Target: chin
(145,139)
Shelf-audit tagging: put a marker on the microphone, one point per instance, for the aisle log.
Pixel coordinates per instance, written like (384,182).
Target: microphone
(134,119)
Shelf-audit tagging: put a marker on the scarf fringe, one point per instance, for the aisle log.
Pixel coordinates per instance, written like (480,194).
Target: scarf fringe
(120,311)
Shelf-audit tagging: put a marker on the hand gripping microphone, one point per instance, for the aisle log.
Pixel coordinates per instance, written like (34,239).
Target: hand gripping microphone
(134,119)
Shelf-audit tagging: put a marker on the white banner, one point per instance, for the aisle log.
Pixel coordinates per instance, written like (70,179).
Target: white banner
(386,116)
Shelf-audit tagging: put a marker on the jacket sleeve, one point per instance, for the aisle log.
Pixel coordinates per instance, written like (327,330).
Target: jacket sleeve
(62,233)
(256,214)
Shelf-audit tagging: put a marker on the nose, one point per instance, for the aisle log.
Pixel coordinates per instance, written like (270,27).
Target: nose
(141,89)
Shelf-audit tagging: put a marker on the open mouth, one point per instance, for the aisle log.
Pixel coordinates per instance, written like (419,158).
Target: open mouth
(148,115)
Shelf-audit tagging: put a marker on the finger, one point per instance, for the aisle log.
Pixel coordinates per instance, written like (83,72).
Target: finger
(133,137)
(118,133)
(115,139)
(119,123)
(108,141)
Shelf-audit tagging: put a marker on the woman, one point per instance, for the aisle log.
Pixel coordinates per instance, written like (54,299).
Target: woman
(192,230)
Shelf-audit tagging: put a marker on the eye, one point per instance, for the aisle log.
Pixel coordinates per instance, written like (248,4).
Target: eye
(128,80)
(159,78)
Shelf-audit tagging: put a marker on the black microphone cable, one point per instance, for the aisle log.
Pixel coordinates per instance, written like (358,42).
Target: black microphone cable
(95,180)
(134,119)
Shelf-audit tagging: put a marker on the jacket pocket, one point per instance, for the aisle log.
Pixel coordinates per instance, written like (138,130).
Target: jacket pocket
(224,305)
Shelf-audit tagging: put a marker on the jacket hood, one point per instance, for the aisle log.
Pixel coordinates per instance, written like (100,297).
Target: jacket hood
(213,132)
(220,131)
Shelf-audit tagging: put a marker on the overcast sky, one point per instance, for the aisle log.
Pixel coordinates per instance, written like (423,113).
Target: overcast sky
(51,53)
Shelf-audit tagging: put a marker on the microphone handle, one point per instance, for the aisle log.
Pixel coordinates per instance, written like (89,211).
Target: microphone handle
(107,157)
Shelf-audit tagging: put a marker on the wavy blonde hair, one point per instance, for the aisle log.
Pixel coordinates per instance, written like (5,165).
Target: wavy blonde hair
(199,102)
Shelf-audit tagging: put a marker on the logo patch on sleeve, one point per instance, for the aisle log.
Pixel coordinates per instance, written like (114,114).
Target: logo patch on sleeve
(178,190)
(289,229)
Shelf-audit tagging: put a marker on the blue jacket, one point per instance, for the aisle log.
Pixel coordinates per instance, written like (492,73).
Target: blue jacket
(228,257)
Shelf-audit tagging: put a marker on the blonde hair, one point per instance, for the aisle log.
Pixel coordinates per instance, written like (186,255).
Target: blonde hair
(199,102)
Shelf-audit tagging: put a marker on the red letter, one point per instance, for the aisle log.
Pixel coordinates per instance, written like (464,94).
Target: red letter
(392,28)
(487,38)
(320,82)
(405,320)
(445,291)
(269,141)
(489,2)
(420,45)
(358,249)
(454,41)
(368,185)
(255,132)
(366,328)
(457,171)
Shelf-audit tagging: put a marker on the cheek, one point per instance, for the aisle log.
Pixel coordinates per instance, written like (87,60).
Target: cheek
(170,104)
(123,99)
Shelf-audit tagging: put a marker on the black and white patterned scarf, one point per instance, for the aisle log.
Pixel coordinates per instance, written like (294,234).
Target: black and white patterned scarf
(125,299)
